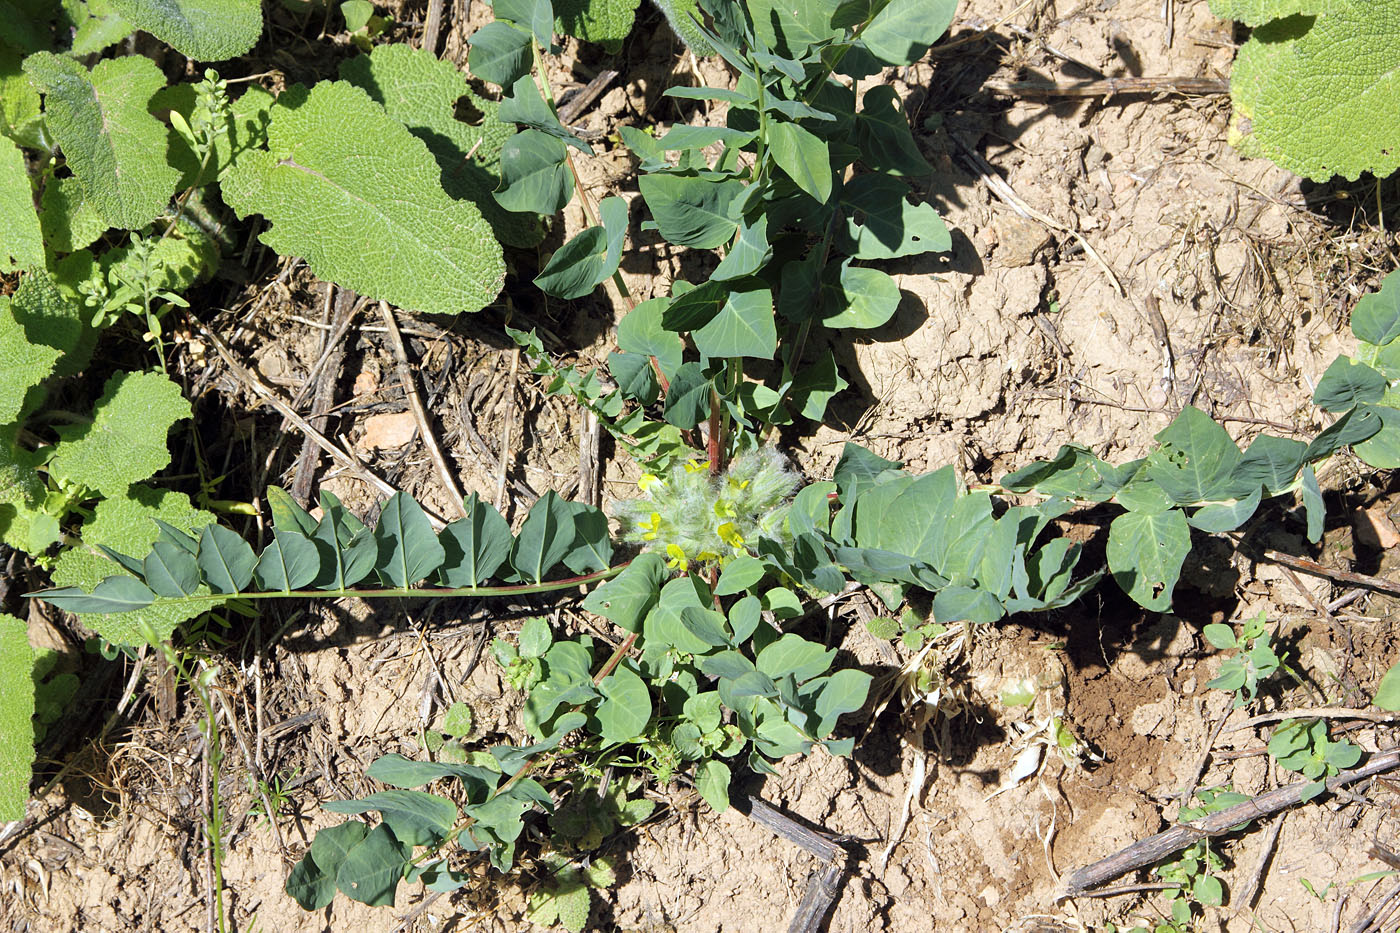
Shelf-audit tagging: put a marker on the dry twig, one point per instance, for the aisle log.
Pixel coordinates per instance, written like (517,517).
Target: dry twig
(420,414)
(1155,848)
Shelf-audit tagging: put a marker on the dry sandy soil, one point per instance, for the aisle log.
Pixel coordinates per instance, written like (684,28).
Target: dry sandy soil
(1077,220)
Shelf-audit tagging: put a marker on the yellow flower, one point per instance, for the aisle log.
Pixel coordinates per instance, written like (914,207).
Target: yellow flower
(678,559)
(729,534)
(647,480)
(695,466)
(650,527)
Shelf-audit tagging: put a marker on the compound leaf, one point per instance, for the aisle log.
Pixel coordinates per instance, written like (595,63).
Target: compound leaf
(354,192)
(204,30)
(1145,553)
(23,245)
(109,140)
(126,440)
(1319,99)
(128,524)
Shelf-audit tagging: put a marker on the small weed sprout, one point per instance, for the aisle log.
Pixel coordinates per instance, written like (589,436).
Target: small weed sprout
(1255,660)
(1302,745)
(695,518)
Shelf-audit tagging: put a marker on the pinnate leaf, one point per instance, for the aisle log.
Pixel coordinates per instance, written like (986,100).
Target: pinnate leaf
(349,188)
(204,30)
(126,440)
(99,118)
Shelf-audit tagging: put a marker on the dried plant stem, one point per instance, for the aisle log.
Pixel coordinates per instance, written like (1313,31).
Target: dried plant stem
(420,414)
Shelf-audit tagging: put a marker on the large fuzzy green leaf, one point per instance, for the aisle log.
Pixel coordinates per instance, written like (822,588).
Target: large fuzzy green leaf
(110,141)
(1258,12)
(16,712)
(22,521)
(606,22)
(19,102)
(205,30)
(422,93)
(347,187)
(126,440)
(126,524)
(23,244)
(23,365)
(1318,95)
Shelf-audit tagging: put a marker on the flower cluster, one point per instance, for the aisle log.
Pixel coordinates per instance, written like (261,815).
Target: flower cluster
(693,517)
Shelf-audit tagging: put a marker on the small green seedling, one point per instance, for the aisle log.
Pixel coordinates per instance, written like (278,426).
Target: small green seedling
(1255,660)
(1302,745)
(1196,868)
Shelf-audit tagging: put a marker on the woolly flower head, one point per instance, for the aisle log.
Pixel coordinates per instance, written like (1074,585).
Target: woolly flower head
(693,517)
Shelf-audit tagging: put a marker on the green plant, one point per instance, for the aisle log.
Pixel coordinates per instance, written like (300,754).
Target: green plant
(568,898)
(1302,745)
(1255,660)
(1312,86)
(1196,868)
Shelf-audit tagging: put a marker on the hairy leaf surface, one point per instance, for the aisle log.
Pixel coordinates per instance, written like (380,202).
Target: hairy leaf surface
(1317,96)
(126,440)
(110,141)
(16,712)
(349,188)
(204,30)
(23,243)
